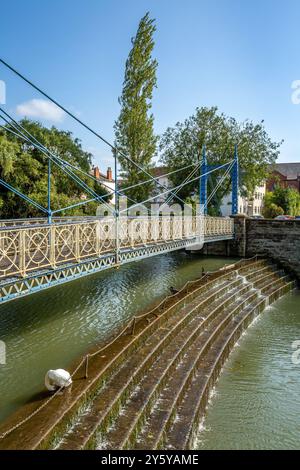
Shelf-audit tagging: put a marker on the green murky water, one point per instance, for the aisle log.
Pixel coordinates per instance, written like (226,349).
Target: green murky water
(256,404)
(50,329)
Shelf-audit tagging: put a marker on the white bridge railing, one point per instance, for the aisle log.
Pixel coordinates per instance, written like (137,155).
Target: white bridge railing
(32,246)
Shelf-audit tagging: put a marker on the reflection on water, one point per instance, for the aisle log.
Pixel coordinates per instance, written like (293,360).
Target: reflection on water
(52,328)
(257,400)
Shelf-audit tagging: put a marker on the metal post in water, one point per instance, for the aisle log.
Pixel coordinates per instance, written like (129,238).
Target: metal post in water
(133,326)
(86,374)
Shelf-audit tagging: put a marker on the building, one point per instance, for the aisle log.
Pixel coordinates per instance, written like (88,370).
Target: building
(251,206)
(158,172)
(286,175)
(107,180)
(248,206)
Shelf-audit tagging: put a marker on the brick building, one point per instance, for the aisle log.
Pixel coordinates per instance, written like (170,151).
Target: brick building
(287,175)
(107,179)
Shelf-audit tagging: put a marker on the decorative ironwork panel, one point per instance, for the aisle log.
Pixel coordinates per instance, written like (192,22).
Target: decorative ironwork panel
(31,247)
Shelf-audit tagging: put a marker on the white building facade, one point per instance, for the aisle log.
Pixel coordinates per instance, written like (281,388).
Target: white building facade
(252,206)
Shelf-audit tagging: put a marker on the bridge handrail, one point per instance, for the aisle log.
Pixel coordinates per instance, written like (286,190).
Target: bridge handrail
(27,248)
(5,223)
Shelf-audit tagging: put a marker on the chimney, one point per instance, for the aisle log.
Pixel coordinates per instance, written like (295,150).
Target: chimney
(109,174)
(96,172)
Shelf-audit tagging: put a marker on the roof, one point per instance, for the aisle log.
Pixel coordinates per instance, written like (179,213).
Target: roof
(159,170)
(101,177)
(290,170)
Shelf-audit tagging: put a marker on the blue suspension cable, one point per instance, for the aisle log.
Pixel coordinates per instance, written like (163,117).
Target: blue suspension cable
(179,186)
(63,162)
(113,147)
(54,158)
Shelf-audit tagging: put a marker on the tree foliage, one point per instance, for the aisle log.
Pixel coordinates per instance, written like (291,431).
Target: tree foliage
(281,201)
(182,145)
(134,134)
(271,211)
(26,168)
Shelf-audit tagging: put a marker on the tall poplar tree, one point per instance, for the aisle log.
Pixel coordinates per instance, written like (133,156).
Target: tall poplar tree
(134,134)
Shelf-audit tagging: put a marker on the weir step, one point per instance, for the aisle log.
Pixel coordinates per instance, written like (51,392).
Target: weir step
(164,410)
(142,405)
(109,400)
(150,388)
(183,432)
(173,361)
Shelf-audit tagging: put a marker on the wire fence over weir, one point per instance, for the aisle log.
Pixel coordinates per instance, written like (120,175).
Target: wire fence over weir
(158,309)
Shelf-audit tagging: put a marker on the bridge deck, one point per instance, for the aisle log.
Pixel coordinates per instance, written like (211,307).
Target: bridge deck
(38,256)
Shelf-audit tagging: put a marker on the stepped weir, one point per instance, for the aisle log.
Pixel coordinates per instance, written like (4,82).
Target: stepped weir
(149,387)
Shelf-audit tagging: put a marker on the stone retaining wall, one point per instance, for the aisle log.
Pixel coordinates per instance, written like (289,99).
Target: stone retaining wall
(277,239)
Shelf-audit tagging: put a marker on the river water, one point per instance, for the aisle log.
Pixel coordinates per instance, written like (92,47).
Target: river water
(256,403)
(50,329)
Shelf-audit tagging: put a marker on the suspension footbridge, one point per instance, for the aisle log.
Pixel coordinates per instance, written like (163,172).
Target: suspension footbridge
(39,253)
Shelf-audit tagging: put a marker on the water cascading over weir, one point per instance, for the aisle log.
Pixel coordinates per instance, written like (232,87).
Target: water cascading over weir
(149,388)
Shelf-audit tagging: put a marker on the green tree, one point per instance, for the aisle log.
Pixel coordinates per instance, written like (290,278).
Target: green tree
(294,202)
(26,168)
(7,155)
(134,134)
(271,210)
(182,145)
(288,199)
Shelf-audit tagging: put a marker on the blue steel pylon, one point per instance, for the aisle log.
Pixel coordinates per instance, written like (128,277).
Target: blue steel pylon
(203,181)
(49,193)
(235,182)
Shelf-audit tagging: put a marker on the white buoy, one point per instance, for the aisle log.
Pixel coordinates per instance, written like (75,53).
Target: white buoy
(58,378)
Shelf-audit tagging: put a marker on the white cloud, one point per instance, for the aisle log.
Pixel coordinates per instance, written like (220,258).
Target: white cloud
(41,109)
(2,92)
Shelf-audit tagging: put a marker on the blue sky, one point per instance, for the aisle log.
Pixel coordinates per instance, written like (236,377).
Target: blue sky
(241,56)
